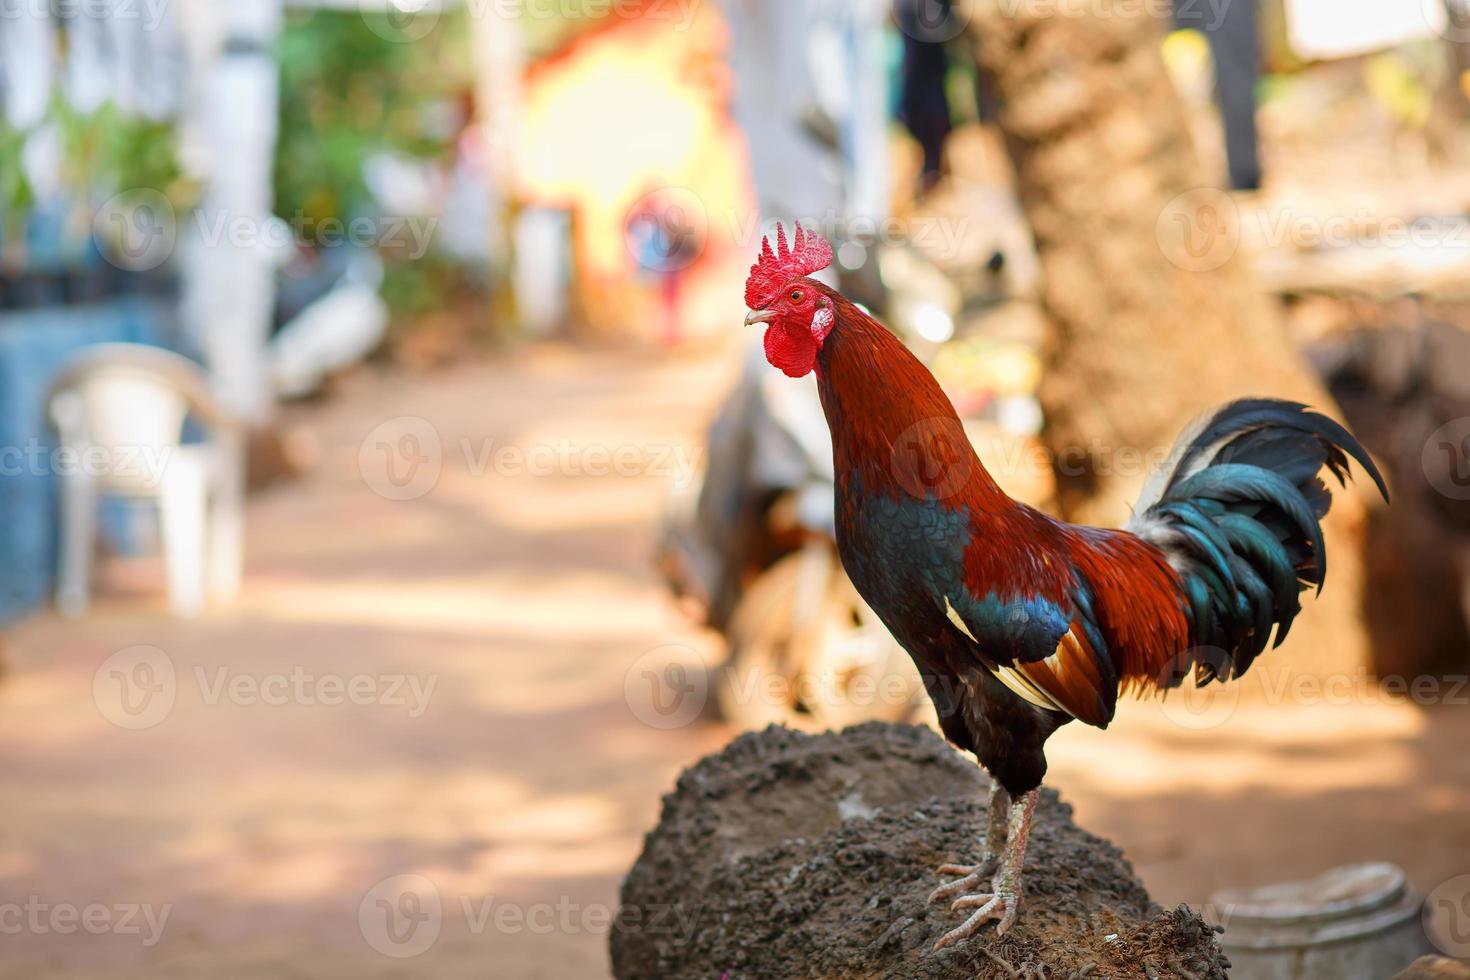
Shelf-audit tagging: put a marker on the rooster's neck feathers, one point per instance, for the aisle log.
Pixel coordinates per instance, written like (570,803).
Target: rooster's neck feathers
(892,425)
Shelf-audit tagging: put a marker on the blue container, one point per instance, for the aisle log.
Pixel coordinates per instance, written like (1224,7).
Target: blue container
(34,346)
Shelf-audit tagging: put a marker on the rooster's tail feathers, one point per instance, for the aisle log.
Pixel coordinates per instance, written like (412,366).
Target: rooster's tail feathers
(1237,509)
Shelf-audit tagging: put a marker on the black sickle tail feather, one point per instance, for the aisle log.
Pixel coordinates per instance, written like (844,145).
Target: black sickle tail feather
(1238,510)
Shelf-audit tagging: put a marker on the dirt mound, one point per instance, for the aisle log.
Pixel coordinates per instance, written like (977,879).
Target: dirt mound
(791,855)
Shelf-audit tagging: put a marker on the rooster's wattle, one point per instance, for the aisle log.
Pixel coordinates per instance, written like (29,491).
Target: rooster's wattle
(1020,623)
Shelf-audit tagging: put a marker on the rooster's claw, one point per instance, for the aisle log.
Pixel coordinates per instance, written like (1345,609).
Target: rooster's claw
(999,906)
(971,876)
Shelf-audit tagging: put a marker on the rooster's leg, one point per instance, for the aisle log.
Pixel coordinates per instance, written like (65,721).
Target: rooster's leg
(995,843)
(1005,901)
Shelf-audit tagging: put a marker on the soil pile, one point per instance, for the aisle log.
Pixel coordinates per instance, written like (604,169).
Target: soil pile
(791,855)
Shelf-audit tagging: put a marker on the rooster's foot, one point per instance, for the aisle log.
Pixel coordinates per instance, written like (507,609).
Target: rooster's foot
(1001,906)
(972,876)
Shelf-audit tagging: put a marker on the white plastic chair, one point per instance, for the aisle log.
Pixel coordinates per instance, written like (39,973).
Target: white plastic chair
(119,412)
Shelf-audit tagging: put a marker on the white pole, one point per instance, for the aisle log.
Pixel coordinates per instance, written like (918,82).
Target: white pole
(229,272)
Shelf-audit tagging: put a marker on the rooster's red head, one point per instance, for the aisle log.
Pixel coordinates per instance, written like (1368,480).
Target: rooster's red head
(798,312)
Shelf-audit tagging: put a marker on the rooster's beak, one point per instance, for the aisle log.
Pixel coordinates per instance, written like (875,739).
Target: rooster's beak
(760,316)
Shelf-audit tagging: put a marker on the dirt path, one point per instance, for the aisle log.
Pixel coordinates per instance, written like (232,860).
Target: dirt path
(489,624)
(435,687)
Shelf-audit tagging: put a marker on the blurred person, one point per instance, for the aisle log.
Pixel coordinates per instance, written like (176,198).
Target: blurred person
(1231,32)
(665,242)
(923,103)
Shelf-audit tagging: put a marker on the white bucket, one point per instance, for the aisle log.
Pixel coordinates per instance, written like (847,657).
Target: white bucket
(1359,922)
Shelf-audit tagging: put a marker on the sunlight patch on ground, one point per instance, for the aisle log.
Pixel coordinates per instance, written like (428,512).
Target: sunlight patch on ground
(491,604)
(1145,752)
(554,502)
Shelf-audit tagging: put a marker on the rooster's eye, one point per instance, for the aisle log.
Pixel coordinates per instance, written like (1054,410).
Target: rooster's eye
(796,296)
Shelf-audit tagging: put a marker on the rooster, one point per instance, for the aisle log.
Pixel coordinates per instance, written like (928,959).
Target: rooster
(1020,623)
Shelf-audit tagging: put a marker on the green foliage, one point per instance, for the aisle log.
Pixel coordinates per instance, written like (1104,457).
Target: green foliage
(414,289)
(108,151)
(103,152)
(16,194)
(346,93)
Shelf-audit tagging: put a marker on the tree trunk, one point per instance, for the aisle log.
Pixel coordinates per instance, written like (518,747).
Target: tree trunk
(1154,313)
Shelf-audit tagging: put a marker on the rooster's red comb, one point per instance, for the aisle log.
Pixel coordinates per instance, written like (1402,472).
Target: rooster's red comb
(808,253)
